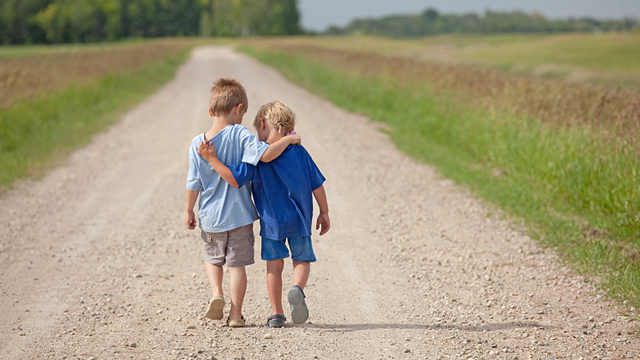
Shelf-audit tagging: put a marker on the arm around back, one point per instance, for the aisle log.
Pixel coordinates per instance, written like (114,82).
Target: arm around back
(208,152)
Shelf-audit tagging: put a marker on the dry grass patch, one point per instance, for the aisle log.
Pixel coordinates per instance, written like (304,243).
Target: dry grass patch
(28,76)
(609,110)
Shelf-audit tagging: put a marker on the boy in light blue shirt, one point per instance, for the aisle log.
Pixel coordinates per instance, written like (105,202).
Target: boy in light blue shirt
(226,214)
(282,191)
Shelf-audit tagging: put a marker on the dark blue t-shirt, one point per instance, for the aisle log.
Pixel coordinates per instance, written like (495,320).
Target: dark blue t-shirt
(282,190)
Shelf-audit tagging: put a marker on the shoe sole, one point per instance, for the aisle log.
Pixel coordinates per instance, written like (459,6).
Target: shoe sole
(299,310)
(236,323)
(275,323)
(214,311)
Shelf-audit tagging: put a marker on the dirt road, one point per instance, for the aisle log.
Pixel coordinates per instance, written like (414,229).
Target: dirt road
(96,262)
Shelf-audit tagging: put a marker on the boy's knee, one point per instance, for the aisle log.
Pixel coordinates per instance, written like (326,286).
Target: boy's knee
(275,264)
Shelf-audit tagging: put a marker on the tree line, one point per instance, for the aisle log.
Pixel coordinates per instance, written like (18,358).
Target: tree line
(73,21)
(432,22)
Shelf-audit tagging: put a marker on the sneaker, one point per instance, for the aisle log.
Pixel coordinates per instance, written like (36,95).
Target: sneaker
(276,321)
(299,310)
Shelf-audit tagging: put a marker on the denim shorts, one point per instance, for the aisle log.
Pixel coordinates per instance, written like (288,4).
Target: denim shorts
(301,249)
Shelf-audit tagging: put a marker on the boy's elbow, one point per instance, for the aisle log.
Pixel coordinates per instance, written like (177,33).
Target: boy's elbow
(233,182)
(266,158)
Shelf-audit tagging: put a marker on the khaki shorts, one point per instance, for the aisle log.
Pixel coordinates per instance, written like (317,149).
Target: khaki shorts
(233,247)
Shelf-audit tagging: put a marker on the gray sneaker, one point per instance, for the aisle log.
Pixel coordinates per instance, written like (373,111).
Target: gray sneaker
(299,310)
(276,321)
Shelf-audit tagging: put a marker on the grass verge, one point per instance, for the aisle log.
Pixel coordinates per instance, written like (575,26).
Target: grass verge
(600,59)
(574,189)
(35,133)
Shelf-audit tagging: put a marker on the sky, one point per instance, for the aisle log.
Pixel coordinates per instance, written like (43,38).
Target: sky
(318,15)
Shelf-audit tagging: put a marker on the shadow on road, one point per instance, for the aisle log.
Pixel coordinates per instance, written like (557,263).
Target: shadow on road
(473,328)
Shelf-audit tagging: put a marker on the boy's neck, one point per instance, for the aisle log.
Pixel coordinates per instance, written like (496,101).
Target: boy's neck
(219,123)
(274,136)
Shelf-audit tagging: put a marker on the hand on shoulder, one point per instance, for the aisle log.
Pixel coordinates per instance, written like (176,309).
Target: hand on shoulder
(206,150)
(294,138)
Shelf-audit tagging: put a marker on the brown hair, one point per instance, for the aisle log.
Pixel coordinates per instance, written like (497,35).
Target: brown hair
(226,94)
(276,114)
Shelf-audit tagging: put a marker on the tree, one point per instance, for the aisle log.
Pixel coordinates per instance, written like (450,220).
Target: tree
(206,18)
(16,26)
(113,21)
(432,22)
(291,17)
(58,21)
(51,20)
(430,15)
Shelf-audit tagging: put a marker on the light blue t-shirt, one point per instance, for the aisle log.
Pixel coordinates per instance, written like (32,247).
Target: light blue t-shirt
(221,206)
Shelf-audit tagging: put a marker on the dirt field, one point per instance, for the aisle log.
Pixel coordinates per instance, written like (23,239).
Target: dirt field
(97,263)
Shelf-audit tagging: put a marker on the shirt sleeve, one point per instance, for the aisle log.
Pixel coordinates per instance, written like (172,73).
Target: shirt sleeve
(315,176)
(193,179)
(252,148)
(243,173)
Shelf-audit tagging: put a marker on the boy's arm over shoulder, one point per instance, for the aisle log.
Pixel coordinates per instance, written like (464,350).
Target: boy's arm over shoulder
(252,148)
(279,146)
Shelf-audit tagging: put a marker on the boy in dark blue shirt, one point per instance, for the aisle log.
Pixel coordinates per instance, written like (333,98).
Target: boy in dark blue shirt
(282,190)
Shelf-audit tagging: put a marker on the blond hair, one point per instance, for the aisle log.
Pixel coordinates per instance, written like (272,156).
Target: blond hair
(277,115)
(226,94)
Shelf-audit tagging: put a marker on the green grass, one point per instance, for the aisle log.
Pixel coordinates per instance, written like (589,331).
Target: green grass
(573,190)
(611,52)
(14,51)
(609,59)
(618,52)
(37,133)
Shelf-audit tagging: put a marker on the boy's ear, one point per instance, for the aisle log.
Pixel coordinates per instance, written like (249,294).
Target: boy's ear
(263,124)
(238,108)
(210,113)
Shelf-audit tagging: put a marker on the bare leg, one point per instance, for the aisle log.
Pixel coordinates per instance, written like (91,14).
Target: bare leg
(238,288)
(299,309)
(214,274)
(301,272)
(274,285)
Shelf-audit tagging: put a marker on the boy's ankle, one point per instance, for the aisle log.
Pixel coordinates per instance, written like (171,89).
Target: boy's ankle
(279,311)
(234,315)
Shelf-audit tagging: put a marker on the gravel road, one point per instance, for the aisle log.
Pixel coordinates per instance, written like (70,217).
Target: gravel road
(96,262)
